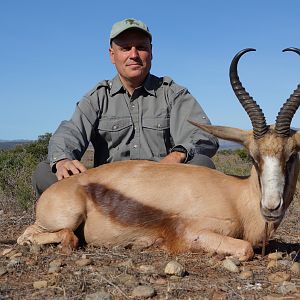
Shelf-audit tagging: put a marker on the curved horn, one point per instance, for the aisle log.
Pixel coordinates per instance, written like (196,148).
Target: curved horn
(251,107)
(289,108)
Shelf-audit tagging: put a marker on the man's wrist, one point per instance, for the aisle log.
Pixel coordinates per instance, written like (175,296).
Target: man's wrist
(181,151)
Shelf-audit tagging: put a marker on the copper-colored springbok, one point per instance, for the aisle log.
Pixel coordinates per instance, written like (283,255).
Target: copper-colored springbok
(181,207)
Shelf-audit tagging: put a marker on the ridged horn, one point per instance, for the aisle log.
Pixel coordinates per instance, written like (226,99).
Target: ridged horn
(289,108)
(253,110)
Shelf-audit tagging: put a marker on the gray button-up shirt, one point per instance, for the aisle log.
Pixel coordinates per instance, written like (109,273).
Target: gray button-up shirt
(146,125)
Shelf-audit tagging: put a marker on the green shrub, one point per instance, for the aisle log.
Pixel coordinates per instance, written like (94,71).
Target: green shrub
(17,166)
(243,154)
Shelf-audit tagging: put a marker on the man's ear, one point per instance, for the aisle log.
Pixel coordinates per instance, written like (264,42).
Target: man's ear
(112,55)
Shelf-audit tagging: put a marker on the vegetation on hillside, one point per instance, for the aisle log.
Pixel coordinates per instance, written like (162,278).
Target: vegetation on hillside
(16,168)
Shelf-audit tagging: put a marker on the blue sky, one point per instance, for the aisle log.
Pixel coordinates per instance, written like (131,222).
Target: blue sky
(53,52)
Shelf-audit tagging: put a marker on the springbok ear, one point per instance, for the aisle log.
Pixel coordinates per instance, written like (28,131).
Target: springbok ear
(227,133)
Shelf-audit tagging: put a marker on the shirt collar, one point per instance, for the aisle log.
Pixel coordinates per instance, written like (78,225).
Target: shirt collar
(116,85)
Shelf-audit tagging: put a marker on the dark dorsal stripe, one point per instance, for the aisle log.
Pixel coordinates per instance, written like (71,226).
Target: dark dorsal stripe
(129,212)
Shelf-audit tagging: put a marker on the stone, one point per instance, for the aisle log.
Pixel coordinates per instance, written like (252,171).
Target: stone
(35,249)
(40,284)
(279,277)
(272,264)
(144,291)
(295,268)
(5,252)
(14,262)
(127,279)
(246,275)
(275,256)
(83,262)
(174,268)
(147,269)
(127,263)
(229,265)
(3,271)
(287,287)
(54,269)
(99,296)
(56,263)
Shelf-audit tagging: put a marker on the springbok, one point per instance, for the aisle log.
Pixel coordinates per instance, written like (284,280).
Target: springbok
(181,207)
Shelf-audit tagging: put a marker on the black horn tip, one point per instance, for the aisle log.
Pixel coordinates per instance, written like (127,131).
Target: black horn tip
(237,57)
(242,52)
(297,50)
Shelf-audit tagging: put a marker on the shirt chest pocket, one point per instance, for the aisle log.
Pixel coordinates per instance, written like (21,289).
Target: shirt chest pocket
(115,131)
(157,133)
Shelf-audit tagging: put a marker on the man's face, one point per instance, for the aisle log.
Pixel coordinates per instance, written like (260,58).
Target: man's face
(131,53)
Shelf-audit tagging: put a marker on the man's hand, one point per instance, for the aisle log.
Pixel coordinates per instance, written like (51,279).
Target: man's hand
(174,157)
(66,168)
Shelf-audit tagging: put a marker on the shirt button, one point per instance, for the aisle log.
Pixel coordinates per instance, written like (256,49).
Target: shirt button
(135,146)
(158,125)
(115,127)
(133,106)
(203,117)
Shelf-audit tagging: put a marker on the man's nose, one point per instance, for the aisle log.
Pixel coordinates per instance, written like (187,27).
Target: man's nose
(133,52)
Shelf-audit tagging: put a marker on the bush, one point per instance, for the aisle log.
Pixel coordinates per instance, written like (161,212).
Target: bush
(17,166)
(243,154)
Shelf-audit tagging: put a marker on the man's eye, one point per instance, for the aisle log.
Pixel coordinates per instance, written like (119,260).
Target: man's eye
(125,49)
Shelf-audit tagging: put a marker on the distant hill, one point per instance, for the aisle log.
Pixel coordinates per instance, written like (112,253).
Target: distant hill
(227,145)
(5,144)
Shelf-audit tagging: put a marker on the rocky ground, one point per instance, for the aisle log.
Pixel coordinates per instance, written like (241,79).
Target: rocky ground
(124,273)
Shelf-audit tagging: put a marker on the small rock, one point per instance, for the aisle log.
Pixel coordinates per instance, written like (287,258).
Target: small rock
(40,284)
(284,263)
(229,265)
(159,281)
(272,264)
(295,268)
(18,254)
(1,212)
(143,291)
(127,263)
(83,262)
(287,287)
(246,275)
(35,249)
(147,269)
(279,277)
(54,269)
(127,279)
(56,263)
(235,260)
(99,296)
(2,271)
(218,296)
(11,253)
(275,256)
(14,262)
(174,268)
(6,251)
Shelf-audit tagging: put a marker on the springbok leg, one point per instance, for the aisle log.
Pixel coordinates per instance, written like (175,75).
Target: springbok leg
(35,234)
(214,242)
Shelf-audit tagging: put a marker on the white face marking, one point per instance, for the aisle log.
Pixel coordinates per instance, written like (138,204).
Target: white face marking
(272,183)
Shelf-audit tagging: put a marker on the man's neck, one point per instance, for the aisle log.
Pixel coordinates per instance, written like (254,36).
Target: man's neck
(130,86)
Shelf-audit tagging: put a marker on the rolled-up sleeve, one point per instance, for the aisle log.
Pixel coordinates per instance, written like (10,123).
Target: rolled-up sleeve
(193,139)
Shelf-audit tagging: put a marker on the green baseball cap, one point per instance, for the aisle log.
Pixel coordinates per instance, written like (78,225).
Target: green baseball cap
(123,25)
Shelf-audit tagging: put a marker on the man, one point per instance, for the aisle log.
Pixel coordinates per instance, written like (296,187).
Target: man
(136,115)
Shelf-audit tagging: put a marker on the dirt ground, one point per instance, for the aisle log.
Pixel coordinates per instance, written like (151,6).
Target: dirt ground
(99,273)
